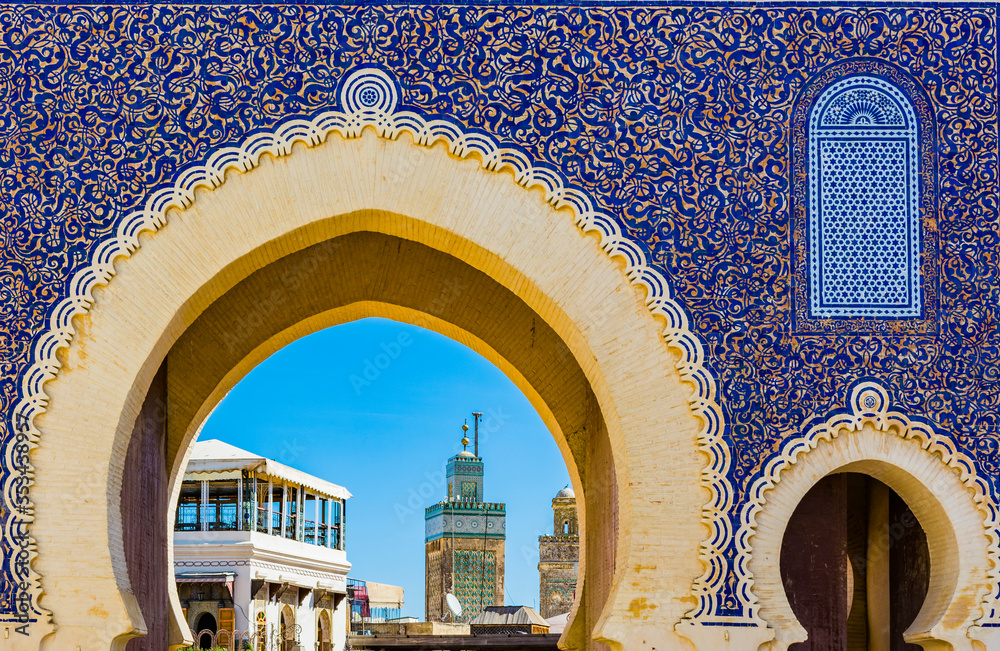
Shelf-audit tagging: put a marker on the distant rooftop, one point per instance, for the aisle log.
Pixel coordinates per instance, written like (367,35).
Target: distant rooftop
(214,455)
(566,492)
(509,615)
(558,623)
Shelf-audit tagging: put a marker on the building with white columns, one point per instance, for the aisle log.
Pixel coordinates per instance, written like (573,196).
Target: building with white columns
(259,552)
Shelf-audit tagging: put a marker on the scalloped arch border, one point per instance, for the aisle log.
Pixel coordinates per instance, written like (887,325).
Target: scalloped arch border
(868,404)
(387,123)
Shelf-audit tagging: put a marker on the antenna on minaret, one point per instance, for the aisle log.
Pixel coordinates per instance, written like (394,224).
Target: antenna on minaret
(476,415)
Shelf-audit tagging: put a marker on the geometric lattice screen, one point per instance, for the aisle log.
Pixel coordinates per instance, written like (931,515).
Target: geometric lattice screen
(864,222)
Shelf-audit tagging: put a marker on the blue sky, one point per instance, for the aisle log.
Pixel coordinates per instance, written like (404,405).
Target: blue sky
(387,434)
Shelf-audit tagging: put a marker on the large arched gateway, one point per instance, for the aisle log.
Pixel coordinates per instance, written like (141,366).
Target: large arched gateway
(374,226)
(666,225)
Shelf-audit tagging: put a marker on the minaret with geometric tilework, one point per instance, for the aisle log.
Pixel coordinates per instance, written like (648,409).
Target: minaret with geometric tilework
(464,543)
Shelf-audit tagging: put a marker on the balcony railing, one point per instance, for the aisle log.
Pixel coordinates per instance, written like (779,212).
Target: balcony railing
(187,518)
(313,534)
(262,515)
(191,517)
(225,516)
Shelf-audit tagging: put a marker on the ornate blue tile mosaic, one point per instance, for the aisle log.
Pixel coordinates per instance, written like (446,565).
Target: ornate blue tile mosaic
(689,125)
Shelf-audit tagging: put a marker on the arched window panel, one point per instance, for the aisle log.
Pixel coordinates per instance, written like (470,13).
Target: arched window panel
(864,202)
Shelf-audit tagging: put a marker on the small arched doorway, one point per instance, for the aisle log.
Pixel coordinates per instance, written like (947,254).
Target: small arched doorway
(893,455)
(854,565)
(205,629)
(323,632)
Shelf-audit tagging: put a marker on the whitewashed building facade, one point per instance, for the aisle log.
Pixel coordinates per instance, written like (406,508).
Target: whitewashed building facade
(259,553)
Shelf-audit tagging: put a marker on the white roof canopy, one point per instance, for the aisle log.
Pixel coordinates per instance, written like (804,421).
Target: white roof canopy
(508,615)
(215,456)
(383,594)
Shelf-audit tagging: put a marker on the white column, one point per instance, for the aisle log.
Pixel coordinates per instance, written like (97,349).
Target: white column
(203,508)
(242,597)
(239,503)
(270,505)
(306,616)
(339,624)
(329,523)
(284,507)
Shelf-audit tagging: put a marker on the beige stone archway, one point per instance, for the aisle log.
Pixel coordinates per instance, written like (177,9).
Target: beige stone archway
(417,194)
(922,468)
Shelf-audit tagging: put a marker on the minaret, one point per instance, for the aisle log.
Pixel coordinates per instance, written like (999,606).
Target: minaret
(464,542)
(465,474)
(558,557)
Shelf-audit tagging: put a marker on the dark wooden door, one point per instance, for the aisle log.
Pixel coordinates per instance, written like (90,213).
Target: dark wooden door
(814,566)
(144,515)
(909,571)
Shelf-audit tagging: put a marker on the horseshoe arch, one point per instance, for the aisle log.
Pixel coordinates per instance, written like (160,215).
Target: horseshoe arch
(373,170)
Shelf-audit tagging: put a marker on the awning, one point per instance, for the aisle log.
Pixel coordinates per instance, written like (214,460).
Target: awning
(383,594)
(314,484)
(214,456)
(208,577)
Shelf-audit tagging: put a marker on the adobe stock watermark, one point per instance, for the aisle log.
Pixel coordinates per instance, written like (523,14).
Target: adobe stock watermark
(417,497)
(290,451)
(23,598)
(529,553)
(301,273)
(375,366)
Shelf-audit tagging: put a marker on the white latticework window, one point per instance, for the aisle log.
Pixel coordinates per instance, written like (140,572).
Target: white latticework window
(864,215)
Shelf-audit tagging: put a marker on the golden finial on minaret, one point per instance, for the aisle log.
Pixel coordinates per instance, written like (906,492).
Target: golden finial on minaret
(465,437)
